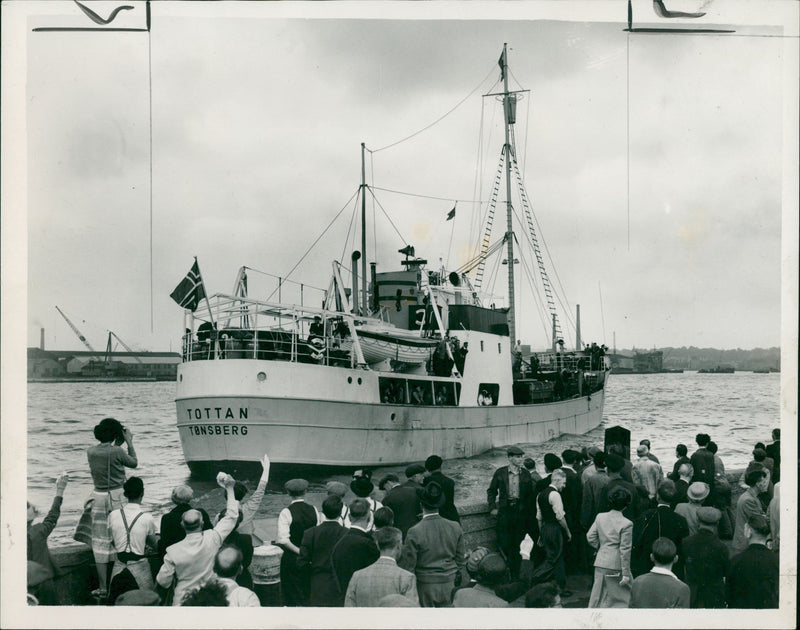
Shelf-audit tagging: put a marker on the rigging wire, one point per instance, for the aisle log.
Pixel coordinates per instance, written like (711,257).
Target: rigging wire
(388,218)
(438,120)
(284,280)
(302,258)
(150,166)
(408,194)
(351,229)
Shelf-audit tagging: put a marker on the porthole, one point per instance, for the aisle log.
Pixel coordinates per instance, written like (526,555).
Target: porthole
(359,380)
(392,417)
(349,379)
(261,376)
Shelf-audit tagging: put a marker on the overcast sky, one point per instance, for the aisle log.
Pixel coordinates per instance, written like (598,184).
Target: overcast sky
(653,164)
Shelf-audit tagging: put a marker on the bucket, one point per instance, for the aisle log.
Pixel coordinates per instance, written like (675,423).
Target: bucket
(266,565)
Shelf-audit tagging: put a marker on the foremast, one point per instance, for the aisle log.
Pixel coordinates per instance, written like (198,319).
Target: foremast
(509,101)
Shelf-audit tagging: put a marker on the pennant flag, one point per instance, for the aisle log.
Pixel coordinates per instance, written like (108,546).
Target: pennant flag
(502,63)
(190,290)
(451,214)
(98,15)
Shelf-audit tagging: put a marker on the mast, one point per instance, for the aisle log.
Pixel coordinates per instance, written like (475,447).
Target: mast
(363,310)
(507,105)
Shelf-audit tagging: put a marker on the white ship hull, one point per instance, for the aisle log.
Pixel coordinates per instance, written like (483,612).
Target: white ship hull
(227,415)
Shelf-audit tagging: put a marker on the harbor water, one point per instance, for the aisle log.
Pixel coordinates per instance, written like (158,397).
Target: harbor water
(737,410)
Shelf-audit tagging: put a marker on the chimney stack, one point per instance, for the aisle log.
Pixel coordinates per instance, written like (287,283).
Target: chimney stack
(41,339)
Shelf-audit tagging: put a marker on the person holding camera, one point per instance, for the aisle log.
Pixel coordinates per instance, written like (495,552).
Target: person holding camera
(107,463)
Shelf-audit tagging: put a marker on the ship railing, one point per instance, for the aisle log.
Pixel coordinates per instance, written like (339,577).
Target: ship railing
(272,331)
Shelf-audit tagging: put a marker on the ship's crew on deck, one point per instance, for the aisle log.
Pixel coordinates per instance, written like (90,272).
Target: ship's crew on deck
(228,567)
(660,588)
(293,521)
(434,467)
(107,463)
(191,561)
(132,530)
(702,460)
(748,506)
(753,581)
(315,555)
(511,499)
(681,454)
(553,528)
(774,451)
(646,472)
(696,494)
(38,550)
(316,329)
(404,501)
(611,535)
(706,560)
(655,523)
(171,530)
(383,578)
(434,551)
(357,549)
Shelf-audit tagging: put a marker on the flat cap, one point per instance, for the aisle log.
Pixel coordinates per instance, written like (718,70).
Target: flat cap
(709,515)
(434,462)
(138,597)
(336,488)
(552,461)
(296,485)
(414,469)
(514,450)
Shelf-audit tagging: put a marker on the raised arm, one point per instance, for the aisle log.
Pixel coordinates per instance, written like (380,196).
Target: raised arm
(130,460)
(250,507)
(49,522)
(227,522)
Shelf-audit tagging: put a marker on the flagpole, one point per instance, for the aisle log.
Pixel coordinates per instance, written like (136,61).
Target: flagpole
(208,304)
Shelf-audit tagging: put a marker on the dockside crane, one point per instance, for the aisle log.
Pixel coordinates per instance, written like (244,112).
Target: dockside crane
(76,331)
(109,349)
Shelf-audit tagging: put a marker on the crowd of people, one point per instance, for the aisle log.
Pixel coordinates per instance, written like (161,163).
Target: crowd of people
(646,539)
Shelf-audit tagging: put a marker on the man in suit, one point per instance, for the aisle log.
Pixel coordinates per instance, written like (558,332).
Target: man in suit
(660,588)
(615,465)
(191,561)
(383,578)
(707,562)
(681,458)
(434,467)
(315,554)
(403,500)
(171,529)
(434,551)
(551,462)
(685,474)
(702,460)
(576,553)
(490,573)
(511,499)
(646,472)
(774,451)
(747,507)
(592,488)
(649,454)
(357,549)
(753,581)
(656,523)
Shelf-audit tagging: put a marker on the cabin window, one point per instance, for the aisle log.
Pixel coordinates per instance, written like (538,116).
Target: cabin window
(488,394)
(481,346)
(444,393)
(393,390)
(420,392)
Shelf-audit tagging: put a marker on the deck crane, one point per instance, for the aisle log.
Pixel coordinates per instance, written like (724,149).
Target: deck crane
(111,333)
(76,331)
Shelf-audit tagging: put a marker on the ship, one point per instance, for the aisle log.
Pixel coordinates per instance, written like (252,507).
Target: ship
(390,367)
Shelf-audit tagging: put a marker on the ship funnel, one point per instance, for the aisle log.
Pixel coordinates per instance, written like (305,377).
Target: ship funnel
(355,257)
(454,278)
